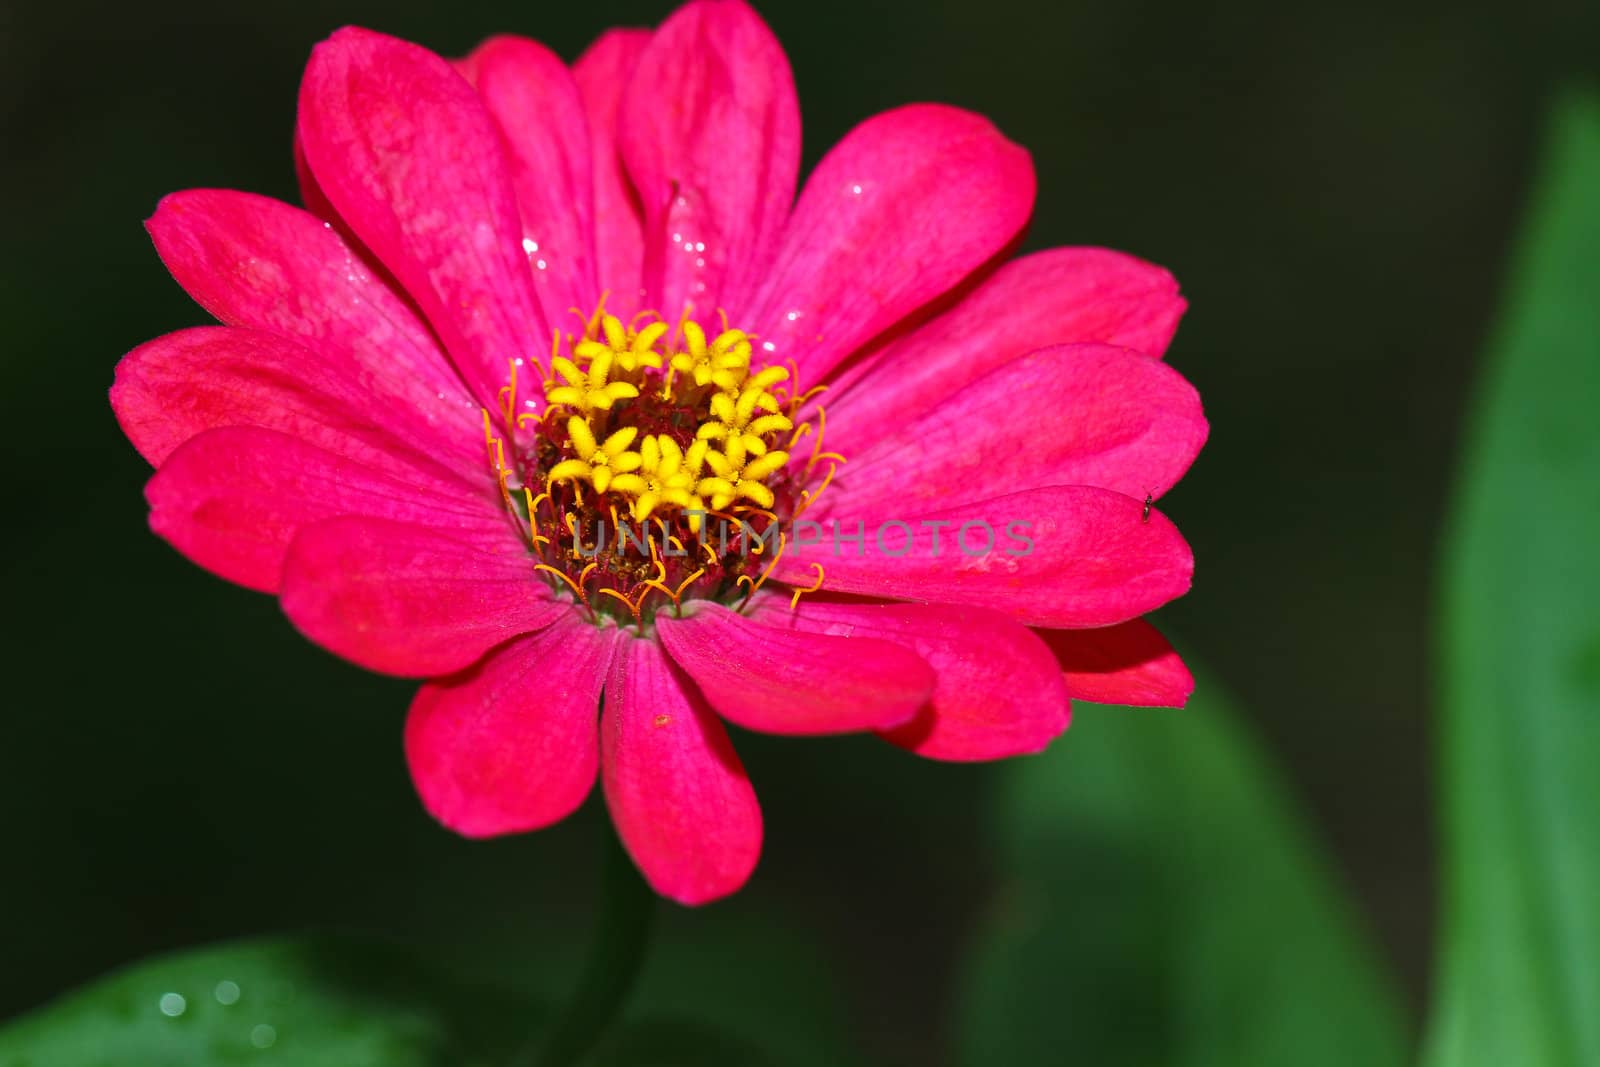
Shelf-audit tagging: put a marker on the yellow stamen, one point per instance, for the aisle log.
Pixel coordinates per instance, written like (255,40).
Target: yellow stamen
(538,539)
(794,601)
(589,390)
(597,463)
(508,395)
(497,458)
(688,581)
(574,586)
(735,475)
(658,422)
(633,608)
(809,496)
(755,586)
(724,362)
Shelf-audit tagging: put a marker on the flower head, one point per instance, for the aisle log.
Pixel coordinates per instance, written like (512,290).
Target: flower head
(555,396)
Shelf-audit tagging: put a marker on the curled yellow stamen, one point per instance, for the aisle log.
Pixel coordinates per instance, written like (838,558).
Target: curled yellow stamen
(658,583)
(508,395)
(809,496)
(574,586)
(688,581)
(755,586)
(539,540)
(633,608)
(497,458)
(794,601)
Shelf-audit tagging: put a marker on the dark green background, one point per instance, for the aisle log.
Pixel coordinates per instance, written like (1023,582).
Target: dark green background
(1335,188)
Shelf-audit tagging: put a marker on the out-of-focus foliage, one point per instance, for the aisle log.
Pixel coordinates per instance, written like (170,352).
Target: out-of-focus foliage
(1161,904)
(1520,980)
(339,1002)
(302,1002)
(747,981)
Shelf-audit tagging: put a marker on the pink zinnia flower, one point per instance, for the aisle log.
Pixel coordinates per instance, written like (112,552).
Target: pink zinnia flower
(528,304)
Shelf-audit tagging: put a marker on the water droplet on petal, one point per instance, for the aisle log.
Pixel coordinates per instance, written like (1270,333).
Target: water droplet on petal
(173,1005)
(856,189)
(529,245)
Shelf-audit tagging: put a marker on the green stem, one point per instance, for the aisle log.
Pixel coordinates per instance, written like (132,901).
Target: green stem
(621,938)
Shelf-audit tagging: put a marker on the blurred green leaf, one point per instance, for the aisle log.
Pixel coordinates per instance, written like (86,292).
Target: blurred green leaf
(331,1002)
(1162,904)
(678,1044)
(756,980)
(742,974)
(1520,959)
(302,1002)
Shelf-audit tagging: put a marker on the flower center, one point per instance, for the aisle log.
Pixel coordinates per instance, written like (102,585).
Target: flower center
(660,467)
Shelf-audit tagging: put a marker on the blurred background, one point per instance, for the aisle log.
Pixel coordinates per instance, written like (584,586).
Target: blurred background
(1335,187)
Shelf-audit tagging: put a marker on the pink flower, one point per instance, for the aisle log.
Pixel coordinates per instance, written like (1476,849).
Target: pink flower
(529,304)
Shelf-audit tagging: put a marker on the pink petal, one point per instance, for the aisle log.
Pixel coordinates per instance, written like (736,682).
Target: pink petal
(170,389)
(907,205)
(602,74)
(1127,664)
(1059,556)
(678,795)
(1072,415)
(710,132)
(231,499)
(407,154)
(312,198)
(997,689)
(533,99)
(513,744)
(409,599)
(782,681)
(253,261)
(1062,296)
